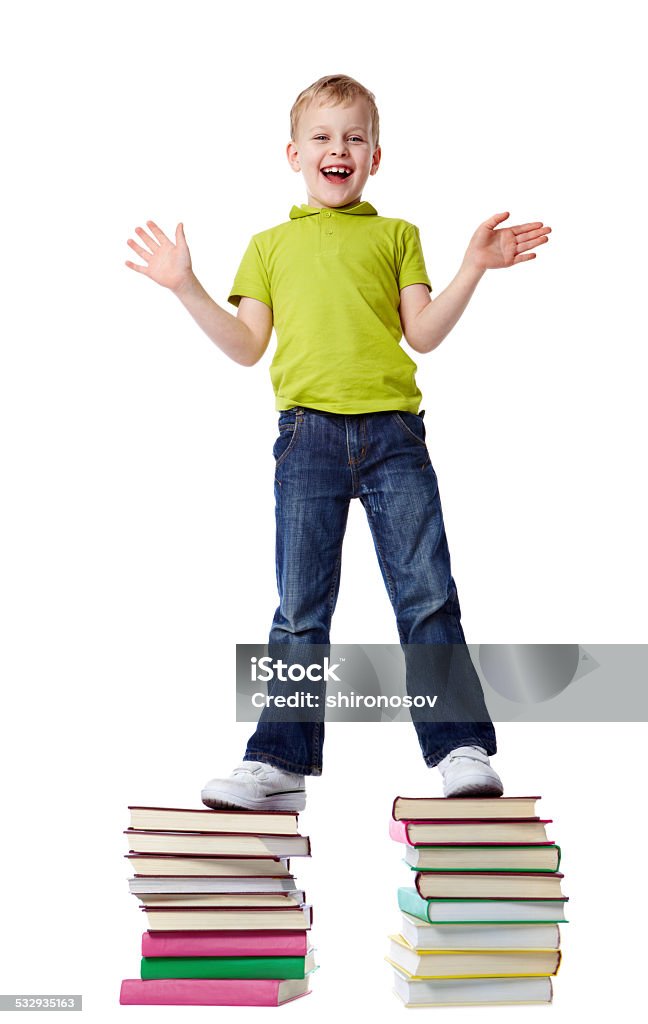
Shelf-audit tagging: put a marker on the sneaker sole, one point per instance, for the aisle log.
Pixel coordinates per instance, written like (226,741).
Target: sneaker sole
(221,798)
(476,786)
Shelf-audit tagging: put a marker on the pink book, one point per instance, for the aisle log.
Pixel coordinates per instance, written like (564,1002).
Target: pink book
(209,943)
(211,991)
(398,831)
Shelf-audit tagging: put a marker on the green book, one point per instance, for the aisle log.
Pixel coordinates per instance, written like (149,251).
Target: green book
(227,966)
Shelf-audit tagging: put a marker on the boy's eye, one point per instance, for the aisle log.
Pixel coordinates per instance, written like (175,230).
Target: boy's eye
(352,138)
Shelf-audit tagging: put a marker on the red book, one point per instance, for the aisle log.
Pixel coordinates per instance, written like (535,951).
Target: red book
(491,832)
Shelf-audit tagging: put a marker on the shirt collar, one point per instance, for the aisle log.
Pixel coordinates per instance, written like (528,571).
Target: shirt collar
(362,209)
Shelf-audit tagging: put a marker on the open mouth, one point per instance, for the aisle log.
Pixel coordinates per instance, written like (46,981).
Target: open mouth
(336,174)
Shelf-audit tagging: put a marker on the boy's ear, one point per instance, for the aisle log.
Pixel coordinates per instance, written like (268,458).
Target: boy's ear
(375,160)
(293,156)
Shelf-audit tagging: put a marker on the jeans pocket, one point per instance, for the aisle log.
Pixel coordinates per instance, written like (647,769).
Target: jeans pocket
(289,421)
(412,425)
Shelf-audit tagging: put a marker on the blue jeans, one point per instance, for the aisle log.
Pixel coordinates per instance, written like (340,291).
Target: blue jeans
(323,460)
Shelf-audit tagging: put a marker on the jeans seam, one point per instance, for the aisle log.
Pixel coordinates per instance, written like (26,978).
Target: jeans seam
(334,581)
(390,583)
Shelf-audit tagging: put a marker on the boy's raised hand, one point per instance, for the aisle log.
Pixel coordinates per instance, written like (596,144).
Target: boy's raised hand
(165,263)
(490,249)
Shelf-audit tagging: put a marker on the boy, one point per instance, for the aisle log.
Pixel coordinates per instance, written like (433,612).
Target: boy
(341,286)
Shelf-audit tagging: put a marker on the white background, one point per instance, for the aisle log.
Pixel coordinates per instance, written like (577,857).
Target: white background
(137,506)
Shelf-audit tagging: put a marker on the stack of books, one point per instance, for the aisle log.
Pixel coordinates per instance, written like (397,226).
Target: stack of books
(227,925)
(480,923)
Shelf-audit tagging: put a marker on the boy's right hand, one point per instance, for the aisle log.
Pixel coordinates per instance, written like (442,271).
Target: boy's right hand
(165,263)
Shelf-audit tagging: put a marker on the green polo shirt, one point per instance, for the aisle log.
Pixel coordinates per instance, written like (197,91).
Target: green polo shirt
(332,278)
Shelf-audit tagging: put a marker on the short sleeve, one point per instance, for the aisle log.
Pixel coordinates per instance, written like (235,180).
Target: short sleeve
(412,268)
(251,278)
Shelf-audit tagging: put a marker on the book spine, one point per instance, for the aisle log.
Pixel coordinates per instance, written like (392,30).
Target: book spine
(410,902)
(225,943)
(398,831)
(223,967)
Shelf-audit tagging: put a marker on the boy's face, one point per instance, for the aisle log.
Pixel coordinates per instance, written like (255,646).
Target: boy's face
(334,137)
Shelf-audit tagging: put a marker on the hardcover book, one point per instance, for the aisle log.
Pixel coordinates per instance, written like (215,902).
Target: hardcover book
(235,844)
(212,991)
(225,943)
(228,966)
(480,808)
(476,963)
(178,819)
(442,911)
(476,833)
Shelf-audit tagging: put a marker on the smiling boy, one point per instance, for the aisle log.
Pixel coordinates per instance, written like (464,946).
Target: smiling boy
(342,285)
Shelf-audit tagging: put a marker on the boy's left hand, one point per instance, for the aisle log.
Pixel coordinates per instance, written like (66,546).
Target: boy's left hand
(490,249)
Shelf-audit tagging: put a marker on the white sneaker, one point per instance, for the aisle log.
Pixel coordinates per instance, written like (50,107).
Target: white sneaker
(255,786)
(467,771)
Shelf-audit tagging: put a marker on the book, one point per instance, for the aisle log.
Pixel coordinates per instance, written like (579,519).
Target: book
(475,963)
(228,966)
(489,884)
(211,991)
(442,911)
(538,857)
(445,808)
(179,819)
(475,833)
(471,991)
(219,899)
(224,943)
(179,884)
(207,864)
(235,844)
(503,935)
(228,918)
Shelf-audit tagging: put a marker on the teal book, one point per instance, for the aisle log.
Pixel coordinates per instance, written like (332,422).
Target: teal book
(492,911)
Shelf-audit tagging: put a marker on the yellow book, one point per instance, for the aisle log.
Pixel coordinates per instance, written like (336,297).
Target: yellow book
(422,964)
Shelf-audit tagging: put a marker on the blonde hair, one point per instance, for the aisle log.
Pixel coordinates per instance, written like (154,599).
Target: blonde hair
(340,89)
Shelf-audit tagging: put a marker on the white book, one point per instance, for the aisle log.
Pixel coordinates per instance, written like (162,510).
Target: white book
(471,991)
(508,935)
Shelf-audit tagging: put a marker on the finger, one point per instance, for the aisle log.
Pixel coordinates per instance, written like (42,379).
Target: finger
(144,253)
(524,236)
(523,259)
(526,227)
(496,219)
(158,232)
(179,235)
(523,246)
(152,244)
(136,266)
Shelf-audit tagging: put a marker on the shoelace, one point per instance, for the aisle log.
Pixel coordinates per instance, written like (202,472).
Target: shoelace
(259,770)
(469,755)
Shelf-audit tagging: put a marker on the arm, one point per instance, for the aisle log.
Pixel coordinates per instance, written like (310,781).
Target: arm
(426,322)
(244,338)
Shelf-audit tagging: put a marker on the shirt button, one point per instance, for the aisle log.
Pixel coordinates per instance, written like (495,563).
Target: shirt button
(327,214)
